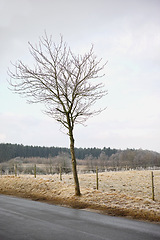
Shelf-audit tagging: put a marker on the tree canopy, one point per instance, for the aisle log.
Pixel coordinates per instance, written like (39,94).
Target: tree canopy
(61,80)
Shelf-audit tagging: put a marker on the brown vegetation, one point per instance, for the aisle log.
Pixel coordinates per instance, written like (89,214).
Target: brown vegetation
(126,193)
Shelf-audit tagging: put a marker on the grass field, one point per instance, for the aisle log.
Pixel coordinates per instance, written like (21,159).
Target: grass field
(124,193)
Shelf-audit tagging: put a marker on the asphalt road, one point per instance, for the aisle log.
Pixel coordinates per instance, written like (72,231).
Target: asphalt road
(22,219)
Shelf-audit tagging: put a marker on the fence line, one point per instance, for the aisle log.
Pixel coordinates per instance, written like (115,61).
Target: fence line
(34,170)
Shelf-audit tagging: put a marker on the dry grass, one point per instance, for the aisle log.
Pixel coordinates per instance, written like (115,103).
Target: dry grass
(125,193)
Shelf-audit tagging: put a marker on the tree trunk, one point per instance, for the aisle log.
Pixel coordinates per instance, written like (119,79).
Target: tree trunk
(74,165)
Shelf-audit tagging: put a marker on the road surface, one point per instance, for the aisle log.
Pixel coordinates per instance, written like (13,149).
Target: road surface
(22,219)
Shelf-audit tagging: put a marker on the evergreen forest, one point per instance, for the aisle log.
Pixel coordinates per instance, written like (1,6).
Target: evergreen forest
(105,158)
(9,151)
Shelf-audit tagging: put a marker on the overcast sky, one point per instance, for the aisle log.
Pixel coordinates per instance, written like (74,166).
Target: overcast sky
(125,33)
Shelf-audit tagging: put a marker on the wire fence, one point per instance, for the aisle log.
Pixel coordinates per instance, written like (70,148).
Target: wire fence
(45,169)
(96,172)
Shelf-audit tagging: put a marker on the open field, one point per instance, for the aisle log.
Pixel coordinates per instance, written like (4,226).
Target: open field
(125,193)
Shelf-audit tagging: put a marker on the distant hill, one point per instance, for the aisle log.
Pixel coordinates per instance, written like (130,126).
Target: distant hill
(9,151)
(132,158)
(105,158)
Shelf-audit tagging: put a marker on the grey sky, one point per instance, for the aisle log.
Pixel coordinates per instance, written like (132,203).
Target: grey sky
(126,33)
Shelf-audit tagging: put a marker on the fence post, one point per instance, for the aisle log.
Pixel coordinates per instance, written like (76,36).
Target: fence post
(35,170)
(97,178)
(60,173)
(50,169)
(1,170)
(152,177)
(50,166)
(15,170)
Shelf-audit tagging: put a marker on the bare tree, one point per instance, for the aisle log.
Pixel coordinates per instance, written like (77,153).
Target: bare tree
(62,81)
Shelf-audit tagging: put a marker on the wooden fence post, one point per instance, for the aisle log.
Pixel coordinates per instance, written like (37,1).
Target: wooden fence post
(50,169)
(97,178)
(152,177)
(60,173)
(35,171)
(15,170)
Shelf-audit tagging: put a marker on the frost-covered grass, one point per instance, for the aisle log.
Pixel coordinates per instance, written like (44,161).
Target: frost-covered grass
(126,193)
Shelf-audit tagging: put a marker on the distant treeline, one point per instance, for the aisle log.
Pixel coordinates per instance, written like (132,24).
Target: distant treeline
(9,151)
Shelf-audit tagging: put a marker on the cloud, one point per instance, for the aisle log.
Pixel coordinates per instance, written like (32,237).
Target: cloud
(30,130)
(2,137)
(126,33)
